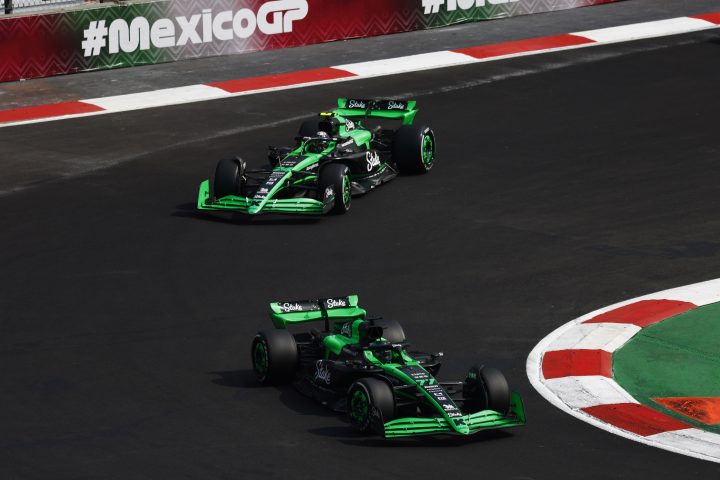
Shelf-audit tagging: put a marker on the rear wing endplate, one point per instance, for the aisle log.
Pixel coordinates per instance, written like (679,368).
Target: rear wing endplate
(404,110)
(301,311)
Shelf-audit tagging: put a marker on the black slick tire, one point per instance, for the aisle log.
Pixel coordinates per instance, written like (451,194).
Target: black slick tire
(413,149)
(486,389)
(336,176)
(229,177)
(274,356)
(496,389)
(367,398)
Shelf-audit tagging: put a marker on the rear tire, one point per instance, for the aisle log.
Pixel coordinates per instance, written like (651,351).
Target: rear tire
(413,149)
(486,389)
(366,394)
(336,176)
(229,178)
(392,330)
(274,357)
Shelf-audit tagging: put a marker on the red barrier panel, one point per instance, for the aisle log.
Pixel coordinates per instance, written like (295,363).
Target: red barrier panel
(163,31)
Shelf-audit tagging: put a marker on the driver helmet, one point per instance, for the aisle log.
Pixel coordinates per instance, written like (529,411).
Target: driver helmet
(320,143)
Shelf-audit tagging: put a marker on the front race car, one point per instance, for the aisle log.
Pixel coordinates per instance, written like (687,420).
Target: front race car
(363,366)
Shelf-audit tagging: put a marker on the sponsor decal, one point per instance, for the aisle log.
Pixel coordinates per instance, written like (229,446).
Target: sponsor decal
(347,143)
(290,161)
(271,18)
(349,125)
(322,372)
(347,329)
(329,193)
(261,192)
(437,392)
(291,307)
(352,103)
(274,178)
(393,105)
(433,6)
(299,306)
(373,160)
(336,303)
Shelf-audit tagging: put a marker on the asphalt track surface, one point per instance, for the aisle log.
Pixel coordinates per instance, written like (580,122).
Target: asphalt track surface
(564,182)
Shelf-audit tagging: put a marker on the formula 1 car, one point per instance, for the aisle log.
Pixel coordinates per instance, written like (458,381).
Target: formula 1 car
(362,366)
(337,155)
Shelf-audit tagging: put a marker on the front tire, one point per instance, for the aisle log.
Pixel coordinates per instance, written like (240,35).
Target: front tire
(413,149)
(336,176)
(486,389)
(229,178)
(274,357)
(366,396)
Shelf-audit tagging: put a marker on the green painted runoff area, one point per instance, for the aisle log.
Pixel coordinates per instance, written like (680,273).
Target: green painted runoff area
(678,357)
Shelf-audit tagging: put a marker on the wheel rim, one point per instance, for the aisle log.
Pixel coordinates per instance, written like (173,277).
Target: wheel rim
(260,359)
(428,151)
(359,407)
(346,191)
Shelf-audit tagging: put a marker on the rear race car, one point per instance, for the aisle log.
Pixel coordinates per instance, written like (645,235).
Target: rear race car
(363,366)
(337,155)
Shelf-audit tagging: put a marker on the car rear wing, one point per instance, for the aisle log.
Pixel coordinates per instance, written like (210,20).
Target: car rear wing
(404,110)
(327,309)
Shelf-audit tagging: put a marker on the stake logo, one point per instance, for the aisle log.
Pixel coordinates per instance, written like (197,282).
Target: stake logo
(271,18)
(322,372)
(356,104)
(336,303)
(291,307)
(373,160)
(433,6)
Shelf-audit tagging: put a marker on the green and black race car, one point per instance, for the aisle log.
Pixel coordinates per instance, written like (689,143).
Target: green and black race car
(362,366)
(338,155)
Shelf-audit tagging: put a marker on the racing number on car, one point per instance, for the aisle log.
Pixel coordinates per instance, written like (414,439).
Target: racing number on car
(437,392)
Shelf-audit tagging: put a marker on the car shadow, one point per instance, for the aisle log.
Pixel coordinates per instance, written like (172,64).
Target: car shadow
(189,210)
(299,403)
(235,379)
(289,397)
(429,441)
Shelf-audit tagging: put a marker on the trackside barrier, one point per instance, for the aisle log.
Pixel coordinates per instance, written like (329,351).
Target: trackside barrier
(30,5)
(168,30)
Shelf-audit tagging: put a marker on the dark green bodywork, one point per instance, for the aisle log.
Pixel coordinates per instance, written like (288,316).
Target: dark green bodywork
(441,423)
(305,171)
